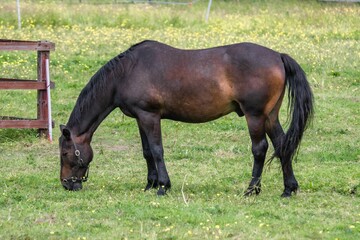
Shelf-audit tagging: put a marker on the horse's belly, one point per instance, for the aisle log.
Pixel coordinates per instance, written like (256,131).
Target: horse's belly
(198,113)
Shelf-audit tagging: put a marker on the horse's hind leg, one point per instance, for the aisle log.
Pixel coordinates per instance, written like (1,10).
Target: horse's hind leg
(152,177)
(276,133)
(256,127)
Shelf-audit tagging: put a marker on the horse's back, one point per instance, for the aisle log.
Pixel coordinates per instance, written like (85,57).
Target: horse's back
(238,61)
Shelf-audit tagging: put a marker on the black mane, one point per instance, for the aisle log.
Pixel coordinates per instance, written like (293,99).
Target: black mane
(96,87)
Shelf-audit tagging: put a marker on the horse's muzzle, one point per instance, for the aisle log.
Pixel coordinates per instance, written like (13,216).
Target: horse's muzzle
(71,186)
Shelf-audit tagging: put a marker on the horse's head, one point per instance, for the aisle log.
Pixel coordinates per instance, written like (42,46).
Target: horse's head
(75,157)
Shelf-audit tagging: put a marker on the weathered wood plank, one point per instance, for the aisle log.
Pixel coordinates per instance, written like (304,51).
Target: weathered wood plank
(41,124)
(10,45)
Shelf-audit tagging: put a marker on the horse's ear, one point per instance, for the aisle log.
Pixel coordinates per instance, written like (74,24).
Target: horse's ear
(65,132)
(62,126)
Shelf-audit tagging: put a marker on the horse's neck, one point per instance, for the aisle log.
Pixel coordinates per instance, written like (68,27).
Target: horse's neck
(86,117)
(96,101)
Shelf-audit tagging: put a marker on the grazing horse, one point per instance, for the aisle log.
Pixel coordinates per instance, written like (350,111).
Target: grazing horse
(153,81)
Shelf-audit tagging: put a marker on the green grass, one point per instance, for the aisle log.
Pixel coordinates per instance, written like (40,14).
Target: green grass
(209,164)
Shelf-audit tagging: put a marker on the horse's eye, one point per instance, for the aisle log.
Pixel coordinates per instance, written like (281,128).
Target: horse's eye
(64,154)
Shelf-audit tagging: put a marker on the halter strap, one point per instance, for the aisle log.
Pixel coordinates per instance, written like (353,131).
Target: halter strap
(78,156)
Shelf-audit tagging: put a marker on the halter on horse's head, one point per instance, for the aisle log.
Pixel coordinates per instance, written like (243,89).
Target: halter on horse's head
(75,161)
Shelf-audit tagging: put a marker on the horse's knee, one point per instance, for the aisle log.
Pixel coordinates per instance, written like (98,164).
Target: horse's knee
(147,154)
(259,149)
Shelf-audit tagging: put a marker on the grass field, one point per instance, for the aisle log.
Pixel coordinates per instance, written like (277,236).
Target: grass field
(209,164)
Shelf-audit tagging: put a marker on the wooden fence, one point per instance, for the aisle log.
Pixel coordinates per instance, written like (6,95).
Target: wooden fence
(42,85)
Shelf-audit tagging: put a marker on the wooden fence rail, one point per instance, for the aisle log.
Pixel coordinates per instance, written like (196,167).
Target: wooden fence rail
(43,121)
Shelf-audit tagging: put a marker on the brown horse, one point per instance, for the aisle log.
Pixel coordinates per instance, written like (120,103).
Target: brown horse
(153,81)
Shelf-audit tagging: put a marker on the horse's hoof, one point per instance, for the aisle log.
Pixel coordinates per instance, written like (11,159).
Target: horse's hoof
(150,185)
(288,193)
(248,193)
(251,190)
(161,192)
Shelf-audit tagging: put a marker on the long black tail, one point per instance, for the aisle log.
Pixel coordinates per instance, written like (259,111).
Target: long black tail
(300,105)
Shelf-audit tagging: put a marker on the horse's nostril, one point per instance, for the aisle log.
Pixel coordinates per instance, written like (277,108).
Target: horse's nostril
(77,187)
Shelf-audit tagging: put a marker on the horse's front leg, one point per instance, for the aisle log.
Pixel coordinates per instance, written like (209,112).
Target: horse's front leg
(259,148)
(152,176)
(149,125)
